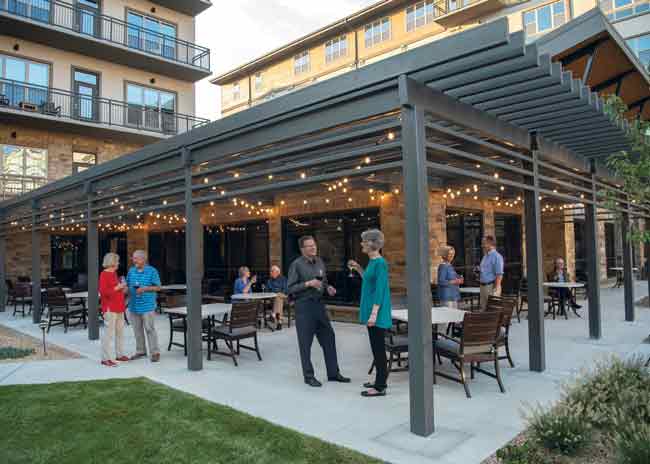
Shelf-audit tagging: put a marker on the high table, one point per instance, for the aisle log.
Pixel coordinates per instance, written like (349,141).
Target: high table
(439,315)
(565,285)
(211,312)
(619,275)
(260,298)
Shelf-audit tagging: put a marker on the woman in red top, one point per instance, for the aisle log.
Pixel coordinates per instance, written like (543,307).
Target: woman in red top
(111,292)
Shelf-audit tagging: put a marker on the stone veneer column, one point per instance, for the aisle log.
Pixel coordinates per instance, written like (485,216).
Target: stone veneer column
(18,260)
(136,240)
(275,240)
(602,251)
(437,230)
(488,220)
(569,245)
(392,223)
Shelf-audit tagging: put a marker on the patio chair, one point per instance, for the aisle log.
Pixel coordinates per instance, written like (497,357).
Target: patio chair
(396,345)
(22,296)
(522,297)
(477,345)
(61,310)
(507,306)
(11,293)
(177,323)
(241,324)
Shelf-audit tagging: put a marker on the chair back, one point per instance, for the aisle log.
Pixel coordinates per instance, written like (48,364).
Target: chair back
(243,314)
(504,304)
(523,287)
(23,290)
(56,298)
(480,332)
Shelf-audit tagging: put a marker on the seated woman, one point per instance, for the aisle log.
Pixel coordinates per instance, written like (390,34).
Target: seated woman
(448,280)
(245,282)
(560,274)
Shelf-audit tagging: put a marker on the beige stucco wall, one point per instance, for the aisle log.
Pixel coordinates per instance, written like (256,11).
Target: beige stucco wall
(112,76)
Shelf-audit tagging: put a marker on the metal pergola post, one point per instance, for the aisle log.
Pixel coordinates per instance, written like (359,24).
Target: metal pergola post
(193,269)
(534,268)
(628,276)
(93,271)
(418,275)
(3,270)
(593,268)
(36,264)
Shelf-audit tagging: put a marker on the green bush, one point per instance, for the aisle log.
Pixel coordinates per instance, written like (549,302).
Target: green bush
(559,429)
(633,444)
(524,453)
(9,352)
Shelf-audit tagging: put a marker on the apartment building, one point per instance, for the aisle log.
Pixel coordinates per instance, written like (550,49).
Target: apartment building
(392,26)
(86,81)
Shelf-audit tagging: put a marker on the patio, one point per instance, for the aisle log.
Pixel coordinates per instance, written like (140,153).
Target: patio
(469,430)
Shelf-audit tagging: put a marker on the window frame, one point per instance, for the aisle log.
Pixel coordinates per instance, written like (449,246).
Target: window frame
(633,45)
(611,13)
(235,91)
(80,166)
(428,19)
(379,24)
(303,68)
(23,176)
(333,48)
(536,10)
(259,81)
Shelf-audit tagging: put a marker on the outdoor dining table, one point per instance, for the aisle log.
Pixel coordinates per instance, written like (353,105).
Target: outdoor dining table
(173,287)
(474,295)
(260,298)
(210,312)
(439,315)
(566,285)
(619,275)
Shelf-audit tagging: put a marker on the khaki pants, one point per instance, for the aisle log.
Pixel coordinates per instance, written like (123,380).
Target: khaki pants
(145,323)
(278,305)
(486,291)
(113,327)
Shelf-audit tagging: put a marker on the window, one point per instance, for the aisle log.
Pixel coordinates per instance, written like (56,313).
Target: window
(641,48)
(23,169)
(259,82)
(82,161)
(618,9)
(151,35)
(420,14)
(33,9)
(236,93)
(23,80)
(464,233)
(336,48)
(377,32)
(151,108)
(545,18)
(301,62)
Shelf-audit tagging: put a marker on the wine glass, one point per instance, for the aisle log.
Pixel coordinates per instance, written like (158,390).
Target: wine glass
(351,274)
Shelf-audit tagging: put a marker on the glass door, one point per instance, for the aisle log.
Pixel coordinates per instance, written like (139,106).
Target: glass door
(87,19)
(86,89)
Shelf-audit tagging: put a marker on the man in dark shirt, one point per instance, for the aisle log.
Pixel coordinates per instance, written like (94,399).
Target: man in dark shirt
(307,282)
(277,284)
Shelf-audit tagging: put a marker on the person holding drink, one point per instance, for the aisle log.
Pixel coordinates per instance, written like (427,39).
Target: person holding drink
(375,309)
(448,279)
(244,284)
(111,291)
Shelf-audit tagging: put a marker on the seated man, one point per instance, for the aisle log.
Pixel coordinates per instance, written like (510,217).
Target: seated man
(278,284)
(245,282)
(559,274)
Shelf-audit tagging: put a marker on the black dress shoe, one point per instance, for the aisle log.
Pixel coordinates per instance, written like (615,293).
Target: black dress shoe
(576,306)
(339,378)
(312,382)
(369,385)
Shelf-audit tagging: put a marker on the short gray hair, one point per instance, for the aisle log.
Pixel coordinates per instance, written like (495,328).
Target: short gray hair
(444,250)
(110,259)
(374,238)
(140,254)
(243,270)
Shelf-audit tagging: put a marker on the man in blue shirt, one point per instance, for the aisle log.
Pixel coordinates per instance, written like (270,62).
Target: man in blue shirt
(143,282)
(277,284)
(491,271)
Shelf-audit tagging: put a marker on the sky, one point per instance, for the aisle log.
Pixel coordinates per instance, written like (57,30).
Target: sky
(237,32)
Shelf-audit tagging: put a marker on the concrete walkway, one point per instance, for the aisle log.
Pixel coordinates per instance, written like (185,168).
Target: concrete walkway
(467,430)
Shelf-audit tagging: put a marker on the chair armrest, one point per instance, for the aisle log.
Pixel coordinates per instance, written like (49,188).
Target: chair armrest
(441,335)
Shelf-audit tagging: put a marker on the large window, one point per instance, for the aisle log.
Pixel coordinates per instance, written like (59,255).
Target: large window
(336,48)
(151,108)
(508,234)
(338,236)
(82,161)
(151,34)
(641,48)
(23,81)
(545,18)
(23,169)
(464,233)
(618,9)
(301,62)
(377,32)
(236,92)
(38,10)
(420,14)
(259,81)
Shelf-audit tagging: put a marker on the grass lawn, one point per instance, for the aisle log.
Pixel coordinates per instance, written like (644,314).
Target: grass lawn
(138,421)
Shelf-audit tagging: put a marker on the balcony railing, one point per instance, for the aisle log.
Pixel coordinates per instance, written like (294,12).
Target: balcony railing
(67,105)
(624,8)
(444,7)
(107,28)
(12,185)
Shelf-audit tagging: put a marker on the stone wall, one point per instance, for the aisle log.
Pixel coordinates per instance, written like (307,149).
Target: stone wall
(19,255)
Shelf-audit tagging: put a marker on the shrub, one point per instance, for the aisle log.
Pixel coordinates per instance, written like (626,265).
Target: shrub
(9,352)
(633,444)
(524,453)
(559,429)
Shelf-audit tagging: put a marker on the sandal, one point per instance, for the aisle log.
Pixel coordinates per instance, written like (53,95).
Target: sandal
(372,393)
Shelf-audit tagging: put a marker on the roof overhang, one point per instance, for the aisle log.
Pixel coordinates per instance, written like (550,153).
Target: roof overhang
(188,7)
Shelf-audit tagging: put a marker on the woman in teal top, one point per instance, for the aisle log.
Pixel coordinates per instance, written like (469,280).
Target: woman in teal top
(375,309)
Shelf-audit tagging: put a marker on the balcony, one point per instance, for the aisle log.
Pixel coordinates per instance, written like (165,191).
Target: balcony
(49,108)
(188,7)
(451,13)
(79,30)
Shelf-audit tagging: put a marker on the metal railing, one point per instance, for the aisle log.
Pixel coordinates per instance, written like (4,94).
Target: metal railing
(68,105)
(12,185)
(107,28)
(624,9)
(444,7)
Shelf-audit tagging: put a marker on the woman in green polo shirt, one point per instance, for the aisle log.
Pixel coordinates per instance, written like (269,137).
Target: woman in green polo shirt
(375,309)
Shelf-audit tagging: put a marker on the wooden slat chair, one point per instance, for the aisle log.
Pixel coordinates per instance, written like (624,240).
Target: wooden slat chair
(522,297)
(476,346)
(22,296)
(396,344)
(507,305)
(60,310)
(11,293)
(241,324)
(177,323)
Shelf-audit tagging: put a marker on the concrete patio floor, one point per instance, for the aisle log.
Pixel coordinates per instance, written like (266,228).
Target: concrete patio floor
(467,430)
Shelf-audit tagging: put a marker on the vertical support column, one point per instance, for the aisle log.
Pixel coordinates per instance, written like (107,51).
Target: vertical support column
(3,268)
(628,273)
(36,265)
(418,275)
(92,243)
(593,266)
(534,268)
(193,269)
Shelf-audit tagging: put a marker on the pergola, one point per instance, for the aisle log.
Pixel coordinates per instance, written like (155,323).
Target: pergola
(418,121)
